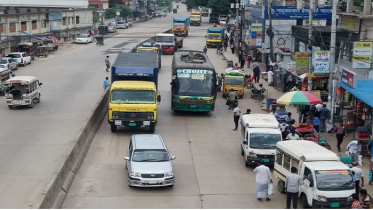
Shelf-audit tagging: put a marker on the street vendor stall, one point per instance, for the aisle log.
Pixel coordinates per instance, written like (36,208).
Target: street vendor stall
(320,82)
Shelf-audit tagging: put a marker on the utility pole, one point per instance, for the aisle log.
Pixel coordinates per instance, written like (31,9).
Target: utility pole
(270,32)
(310,32)
(331,98)
(242,7)
(237,26)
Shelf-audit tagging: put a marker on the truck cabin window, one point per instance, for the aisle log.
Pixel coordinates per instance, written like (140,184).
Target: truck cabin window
(178,25)
(133,97)
(334,180)
(214,36)
(194,17)
(149,51)
(164,39)
(233,81)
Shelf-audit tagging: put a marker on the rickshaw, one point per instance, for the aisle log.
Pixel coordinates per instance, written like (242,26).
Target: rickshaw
(99,40)
(42,51)
(49,45)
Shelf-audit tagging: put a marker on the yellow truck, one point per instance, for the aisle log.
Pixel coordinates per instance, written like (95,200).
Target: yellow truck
(236,81)
(180,26)
(134,95)
(196,18)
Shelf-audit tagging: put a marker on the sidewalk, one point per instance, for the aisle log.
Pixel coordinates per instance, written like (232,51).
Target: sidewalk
(273,93)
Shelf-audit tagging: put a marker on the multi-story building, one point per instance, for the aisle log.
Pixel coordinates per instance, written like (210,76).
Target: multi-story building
(33,24)
(99,4)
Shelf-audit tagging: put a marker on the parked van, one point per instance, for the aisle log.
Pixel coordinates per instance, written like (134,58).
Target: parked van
(329,182)
(259,133)
(148,162)
(22,91)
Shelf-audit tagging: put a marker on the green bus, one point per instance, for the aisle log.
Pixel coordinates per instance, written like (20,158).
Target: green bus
(193,85)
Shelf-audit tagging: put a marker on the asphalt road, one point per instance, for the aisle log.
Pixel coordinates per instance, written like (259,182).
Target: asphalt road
(35,142)
(210,172)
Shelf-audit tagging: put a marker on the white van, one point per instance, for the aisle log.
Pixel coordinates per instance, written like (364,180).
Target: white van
(329,182)
(260,133)
(22,91)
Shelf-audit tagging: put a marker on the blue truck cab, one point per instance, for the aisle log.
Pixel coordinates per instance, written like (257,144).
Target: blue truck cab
(214,37)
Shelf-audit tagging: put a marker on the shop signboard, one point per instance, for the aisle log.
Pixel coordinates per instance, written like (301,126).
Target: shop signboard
(291,67)
(256,35)
(316,92)
(350,78)
(292,12)
(301,62)
(55,26)
(350,23)
(362,55)
(322,60)
(54,16)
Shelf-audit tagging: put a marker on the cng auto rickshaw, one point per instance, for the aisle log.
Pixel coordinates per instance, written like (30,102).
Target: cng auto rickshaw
(49,45)
(235,80)
(42,51)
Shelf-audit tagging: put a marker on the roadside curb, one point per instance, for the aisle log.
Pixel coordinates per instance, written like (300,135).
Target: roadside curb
(56,192)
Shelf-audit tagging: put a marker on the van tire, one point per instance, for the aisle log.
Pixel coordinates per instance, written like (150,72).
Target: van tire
(281,186)
(305,202)
(113,128)
(31,105)
(10,106)
(242,152)
(247,164)
(152,128)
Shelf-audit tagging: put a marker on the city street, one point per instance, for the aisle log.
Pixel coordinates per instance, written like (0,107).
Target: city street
(35,142)
(209,169)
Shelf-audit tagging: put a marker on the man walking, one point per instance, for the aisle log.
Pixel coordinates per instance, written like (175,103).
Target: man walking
(324,115)
(106,83)
(256,71)
(292,183)
(341,132)
(107,62)
(231,98)
(352,148)
(263,178)
(205,49)
(236,116)
(358,175)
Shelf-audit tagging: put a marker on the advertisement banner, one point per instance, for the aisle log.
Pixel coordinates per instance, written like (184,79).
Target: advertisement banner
(322,60)
(362,55)
(54,16)
(292,12)
(256,35)
(349,78)
(55,26)
(301,62)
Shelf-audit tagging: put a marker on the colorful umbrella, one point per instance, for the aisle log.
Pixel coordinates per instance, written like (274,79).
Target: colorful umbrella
(299,98)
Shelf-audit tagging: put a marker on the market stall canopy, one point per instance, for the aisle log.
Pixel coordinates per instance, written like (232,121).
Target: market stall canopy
(363,91)
(299,98)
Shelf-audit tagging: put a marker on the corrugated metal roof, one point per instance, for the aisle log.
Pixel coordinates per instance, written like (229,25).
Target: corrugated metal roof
(363,91)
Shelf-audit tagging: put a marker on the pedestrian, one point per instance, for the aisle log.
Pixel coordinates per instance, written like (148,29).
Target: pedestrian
(205,50)
(341,132)
(357,175)
(292,183)
(270,78)
(288,118)
(256,71)
(365,199)
(241,59)
(231,98)
(324,115)
(352,148)
(318,107)
(316,123)
(355,201)
(225,44)
(231,40)
(220,81)
(248,111)
(233,47)
(236,116)
(107,62)
(106,83)
(263,178)
(248,60)
(292,135)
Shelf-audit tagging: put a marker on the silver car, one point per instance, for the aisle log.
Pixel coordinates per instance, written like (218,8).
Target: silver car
(112,29)
(9,62)
(122,24)
(148,162)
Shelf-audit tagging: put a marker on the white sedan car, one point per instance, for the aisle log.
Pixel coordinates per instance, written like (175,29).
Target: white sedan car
(83,38)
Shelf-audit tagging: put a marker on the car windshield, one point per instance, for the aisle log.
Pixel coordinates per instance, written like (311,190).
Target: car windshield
(164,39)
(83,36)
(14,55)
(120,22)
(194,83)
(149,51)
(132,97)
(214,36)
(147,155)
(3,62)
(334,180)
(264,140)
(234,81)
(178,25)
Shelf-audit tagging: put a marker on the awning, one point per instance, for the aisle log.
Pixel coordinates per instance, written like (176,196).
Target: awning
(363,91)
(134,71)
(30,35)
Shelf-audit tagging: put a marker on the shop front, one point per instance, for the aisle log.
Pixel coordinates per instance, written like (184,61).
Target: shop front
(320,81)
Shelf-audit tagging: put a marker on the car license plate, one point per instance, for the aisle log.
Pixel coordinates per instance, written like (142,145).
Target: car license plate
(152,182)
(213,44)
(118,122)
(193,106)
(266,160)
(146,123)
(131,124)
(334,205)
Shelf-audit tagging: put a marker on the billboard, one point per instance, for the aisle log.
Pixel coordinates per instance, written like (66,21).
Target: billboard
(46,3)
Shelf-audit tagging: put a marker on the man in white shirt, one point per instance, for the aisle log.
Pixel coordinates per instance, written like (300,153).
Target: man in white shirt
(263,178)
(352,150)
(318,107)
(270,78)
(292,135)
(236,116)
(358,174)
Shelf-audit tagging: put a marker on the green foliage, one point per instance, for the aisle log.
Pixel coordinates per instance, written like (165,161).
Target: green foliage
(125,12)
(110,13)
(196,3)
(222,5)
(358,3)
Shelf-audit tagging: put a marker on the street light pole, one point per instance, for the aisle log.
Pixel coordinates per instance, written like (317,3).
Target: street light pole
(310,32)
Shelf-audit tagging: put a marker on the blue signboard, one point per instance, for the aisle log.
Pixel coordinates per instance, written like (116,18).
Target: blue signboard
(257,32)
(292,12)
(54,16)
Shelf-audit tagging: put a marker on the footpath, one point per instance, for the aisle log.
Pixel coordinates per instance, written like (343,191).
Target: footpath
(273,93)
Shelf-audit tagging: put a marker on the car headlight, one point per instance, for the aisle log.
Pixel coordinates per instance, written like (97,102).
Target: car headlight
(135,174)
(252,154)
(168,174)
(210,101)
(349,198)
(322,198)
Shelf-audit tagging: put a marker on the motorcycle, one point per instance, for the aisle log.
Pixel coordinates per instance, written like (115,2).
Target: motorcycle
(257,94)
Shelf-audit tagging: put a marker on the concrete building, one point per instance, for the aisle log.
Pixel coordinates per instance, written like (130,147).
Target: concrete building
(30,25)
(99,4)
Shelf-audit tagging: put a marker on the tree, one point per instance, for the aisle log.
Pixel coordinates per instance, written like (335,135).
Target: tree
(125,12)
(222,5)
(196,3)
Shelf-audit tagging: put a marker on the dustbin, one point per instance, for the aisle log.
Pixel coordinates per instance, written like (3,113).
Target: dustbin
(229,64)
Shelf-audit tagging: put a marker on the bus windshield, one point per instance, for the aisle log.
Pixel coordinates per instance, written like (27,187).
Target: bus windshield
(190,82)
(132,97)
(334,180)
